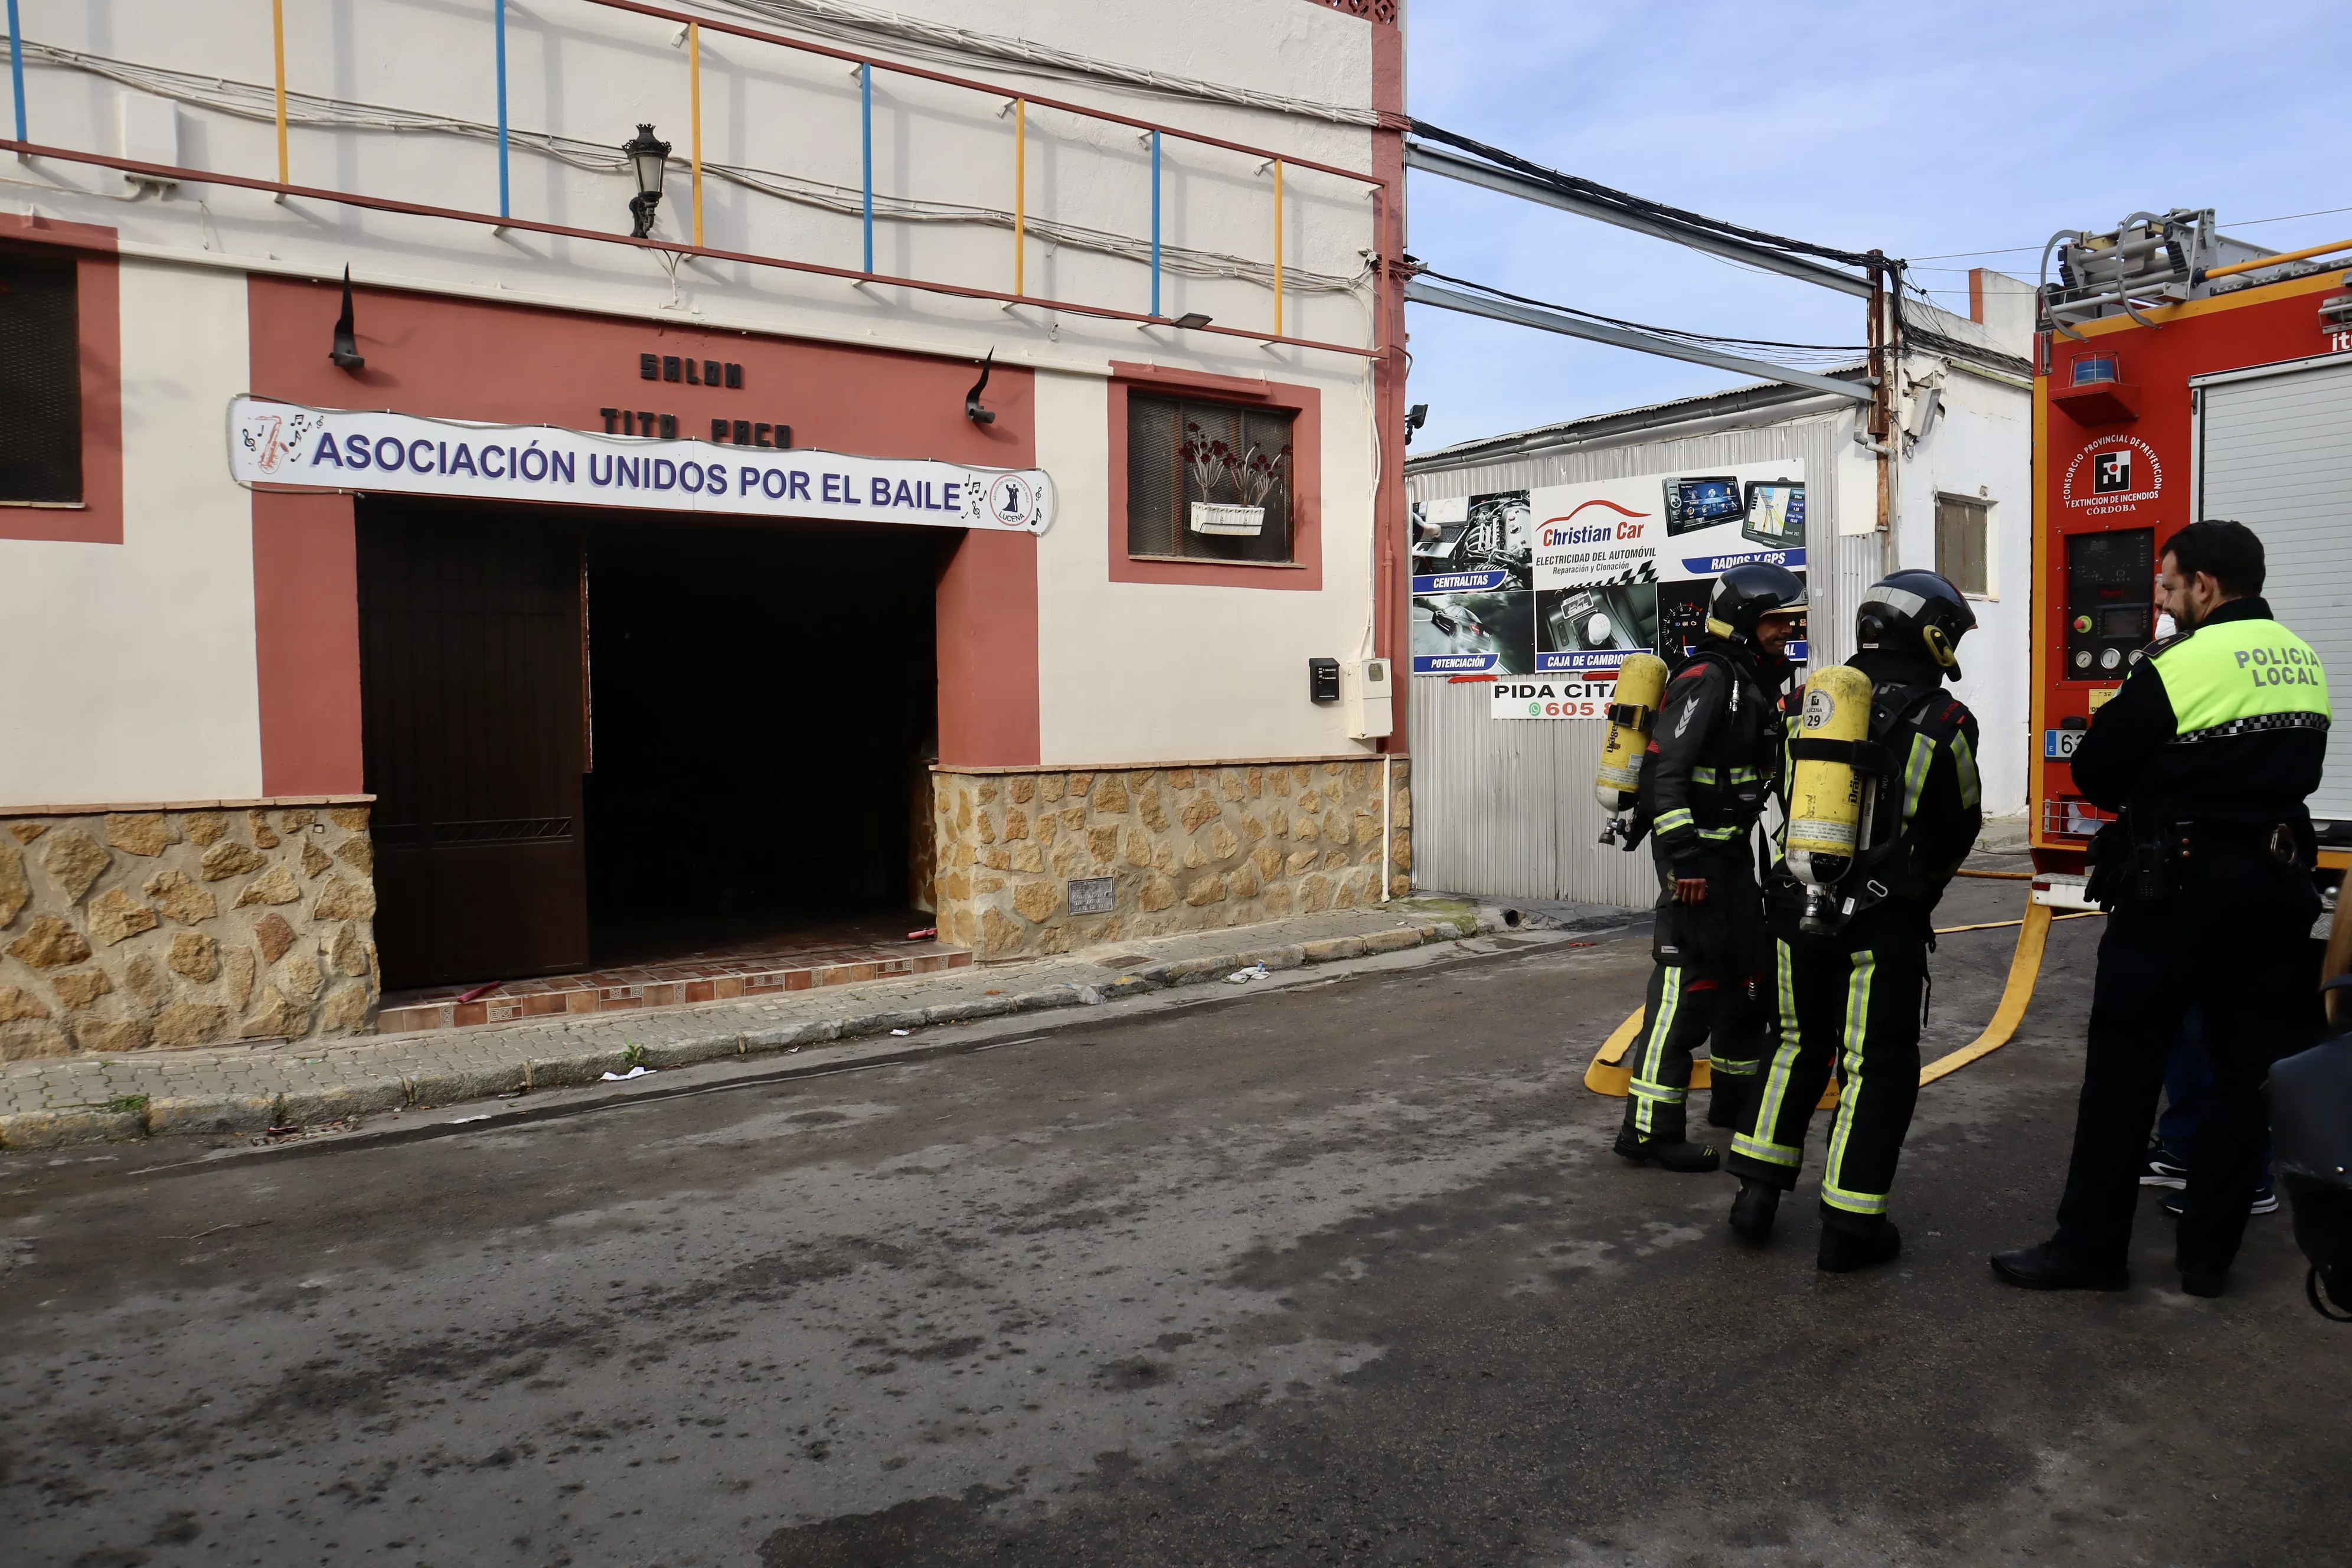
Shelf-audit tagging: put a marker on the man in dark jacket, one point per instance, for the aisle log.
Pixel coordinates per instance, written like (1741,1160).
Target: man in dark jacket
(1709,770)
(2209,750)
(1852,994)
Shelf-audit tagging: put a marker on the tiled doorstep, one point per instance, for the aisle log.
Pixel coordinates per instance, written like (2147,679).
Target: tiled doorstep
(609,990)
(81,1099)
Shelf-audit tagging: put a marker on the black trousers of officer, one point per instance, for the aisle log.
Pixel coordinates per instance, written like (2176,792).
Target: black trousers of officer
(1850,998)
(2233,938)
(1707,956)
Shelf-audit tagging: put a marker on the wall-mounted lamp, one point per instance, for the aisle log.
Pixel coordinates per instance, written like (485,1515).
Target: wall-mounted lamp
(1414,418)
(649,158)
(1193,318)
(346,350)
(972,408)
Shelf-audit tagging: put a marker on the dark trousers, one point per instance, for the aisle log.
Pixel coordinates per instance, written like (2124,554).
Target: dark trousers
(2231,941)
(2187,1085)
(1707,956)
(1850,999)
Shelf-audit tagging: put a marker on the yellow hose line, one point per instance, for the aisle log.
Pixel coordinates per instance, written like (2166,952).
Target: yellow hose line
(2004,925)
(1607,1074)
(2025,969)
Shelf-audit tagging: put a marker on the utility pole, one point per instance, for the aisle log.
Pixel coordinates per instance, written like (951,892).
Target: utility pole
(1881,419)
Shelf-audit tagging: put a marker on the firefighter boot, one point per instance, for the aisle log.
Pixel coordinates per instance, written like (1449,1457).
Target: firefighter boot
(1753,1210)
(1665,1146)
(1843,1251)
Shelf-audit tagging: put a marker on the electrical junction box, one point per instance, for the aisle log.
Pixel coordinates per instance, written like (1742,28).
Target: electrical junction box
(151,134)
(1323,680)
(1364,686)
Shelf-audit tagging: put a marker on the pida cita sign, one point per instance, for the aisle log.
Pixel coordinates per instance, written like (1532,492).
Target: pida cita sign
(272,443)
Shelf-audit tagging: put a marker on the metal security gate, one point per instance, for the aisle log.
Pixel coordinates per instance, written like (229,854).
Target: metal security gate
(2274,452)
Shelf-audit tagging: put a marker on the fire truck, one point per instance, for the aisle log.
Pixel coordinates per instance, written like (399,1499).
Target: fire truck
(2179,374)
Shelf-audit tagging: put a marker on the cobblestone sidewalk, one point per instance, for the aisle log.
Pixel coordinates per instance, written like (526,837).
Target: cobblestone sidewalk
(57,1101)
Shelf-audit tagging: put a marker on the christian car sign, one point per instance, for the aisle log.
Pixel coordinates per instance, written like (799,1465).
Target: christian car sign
(272,443)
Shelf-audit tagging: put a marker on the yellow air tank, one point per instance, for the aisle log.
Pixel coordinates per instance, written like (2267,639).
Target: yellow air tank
(1641,681)
(1827,796)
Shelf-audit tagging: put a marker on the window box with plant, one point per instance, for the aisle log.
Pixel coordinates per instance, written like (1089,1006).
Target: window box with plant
(1209,482)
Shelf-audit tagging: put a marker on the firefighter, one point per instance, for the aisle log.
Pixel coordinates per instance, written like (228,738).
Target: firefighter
(1851,968)
(2207,751)
(1703,783)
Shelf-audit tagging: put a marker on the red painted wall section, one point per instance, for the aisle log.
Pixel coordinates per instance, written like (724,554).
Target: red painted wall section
(464,359)
(97,280)
(306,612)
(988,653)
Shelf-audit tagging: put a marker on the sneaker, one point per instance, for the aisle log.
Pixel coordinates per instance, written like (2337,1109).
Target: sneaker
(2162,1168)
(2265,1201)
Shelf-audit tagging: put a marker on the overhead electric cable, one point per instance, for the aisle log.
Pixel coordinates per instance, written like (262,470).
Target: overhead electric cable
(921,39)
(1641,207)
(1843,352)
(254,101)
(2036,249)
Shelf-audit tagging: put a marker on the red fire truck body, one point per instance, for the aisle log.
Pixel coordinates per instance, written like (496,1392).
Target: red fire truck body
(2234,401)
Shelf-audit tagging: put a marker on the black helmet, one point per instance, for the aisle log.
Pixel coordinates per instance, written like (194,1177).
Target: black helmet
(1916,612)
(1746,594)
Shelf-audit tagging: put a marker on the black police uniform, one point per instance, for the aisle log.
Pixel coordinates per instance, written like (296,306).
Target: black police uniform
(1714,752)
(2210,758)
(1853,995)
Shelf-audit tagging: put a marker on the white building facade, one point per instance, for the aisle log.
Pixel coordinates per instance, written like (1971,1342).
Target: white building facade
(543,579)
(1506,806)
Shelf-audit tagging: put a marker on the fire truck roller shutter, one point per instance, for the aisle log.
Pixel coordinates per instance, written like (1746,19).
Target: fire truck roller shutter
(2274,451)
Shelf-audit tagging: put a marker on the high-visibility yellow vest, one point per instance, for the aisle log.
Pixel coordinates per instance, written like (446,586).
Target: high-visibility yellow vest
(2238,677)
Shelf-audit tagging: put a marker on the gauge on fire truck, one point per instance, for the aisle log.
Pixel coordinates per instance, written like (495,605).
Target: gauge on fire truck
(2110,601)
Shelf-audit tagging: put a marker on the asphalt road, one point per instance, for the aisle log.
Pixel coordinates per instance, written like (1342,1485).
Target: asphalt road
(1338,1273)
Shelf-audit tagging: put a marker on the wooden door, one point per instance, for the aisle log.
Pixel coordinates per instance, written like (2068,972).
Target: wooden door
(471,689)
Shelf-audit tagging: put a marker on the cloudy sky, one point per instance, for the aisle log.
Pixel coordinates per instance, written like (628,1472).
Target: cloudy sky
(1921,130)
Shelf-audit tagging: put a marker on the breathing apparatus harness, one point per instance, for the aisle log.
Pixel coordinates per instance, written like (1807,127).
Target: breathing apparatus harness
(1837,843)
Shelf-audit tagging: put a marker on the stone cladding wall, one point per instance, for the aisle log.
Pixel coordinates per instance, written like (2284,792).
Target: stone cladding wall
(132,929)
(1188,848)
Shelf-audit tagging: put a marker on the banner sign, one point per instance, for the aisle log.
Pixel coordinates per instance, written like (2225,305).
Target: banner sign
(272,443)
(1551,698)
(1564,580)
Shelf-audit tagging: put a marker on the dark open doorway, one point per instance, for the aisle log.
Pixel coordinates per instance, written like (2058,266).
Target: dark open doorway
(764,711)
(601,739)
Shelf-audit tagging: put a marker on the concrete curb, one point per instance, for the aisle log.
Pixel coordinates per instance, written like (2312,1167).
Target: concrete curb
(244,1114)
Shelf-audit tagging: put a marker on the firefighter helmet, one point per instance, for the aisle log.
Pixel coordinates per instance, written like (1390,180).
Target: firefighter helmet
(1747,593)
(1916,612)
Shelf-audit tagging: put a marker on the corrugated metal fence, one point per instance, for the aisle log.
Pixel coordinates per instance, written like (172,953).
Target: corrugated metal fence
(1506,808)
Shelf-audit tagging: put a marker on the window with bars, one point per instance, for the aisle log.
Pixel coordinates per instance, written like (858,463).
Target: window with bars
(1195,473)
(40,380)
(1963,541)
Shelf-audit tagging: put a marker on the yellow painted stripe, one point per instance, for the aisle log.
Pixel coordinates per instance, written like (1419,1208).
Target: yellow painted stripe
(277,41)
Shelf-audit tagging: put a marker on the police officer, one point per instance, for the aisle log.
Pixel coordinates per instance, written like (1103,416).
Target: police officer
(1853,990)
(1705,780)
(2209,750)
